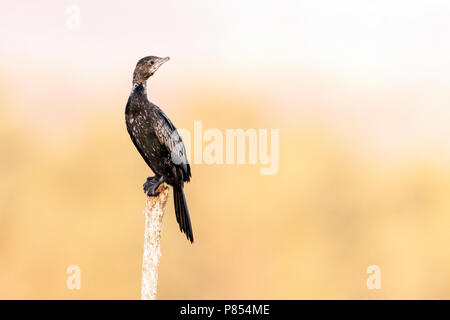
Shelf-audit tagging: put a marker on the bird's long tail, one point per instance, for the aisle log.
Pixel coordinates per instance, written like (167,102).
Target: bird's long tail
(182,212)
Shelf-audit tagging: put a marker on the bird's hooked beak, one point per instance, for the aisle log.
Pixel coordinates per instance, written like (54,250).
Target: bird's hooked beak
(160,62)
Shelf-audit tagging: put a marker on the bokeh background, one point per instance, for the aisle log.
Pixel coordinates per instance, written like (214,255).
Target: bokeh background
(359,91)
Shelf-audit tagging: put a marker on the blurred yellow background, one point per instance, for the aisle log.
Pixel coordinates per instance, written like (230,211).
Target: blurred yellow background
(358,89)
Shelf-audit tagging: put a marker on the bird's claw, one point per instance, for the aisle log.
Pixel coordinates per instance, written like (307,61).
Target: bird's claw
(152,193)
(147,184)
(150,186)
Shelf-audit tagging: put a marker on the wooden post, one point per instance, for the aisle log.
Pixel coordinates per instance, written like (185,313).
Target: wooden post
(154,212)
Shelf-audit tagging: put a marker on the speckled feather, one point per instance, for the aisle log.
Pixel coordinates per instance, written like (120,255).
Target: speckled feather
(156,138)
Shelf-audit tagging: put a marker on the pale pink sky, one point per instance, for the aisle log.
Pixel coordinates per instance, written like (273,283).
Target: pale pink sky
(381,66)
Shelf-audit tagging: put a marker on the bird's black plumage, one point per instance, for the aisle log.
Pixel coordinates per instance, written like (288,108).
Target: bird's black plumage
(158,142)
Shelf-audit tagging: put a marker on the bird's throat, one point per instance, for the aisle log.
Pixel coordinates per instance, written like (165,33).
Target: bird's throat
(140,87)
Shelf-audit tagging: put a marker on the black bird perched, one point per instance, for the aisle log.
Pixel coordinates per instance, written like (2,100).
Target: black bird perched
(158,142)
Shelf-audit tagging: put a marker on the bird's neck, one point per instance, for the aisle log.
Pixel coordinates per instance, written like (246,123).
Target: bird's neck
(139,87)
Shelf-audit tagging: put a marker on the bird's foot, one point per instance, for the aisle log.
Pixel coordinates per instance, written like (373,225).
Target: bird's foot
(146,184)
(151,184)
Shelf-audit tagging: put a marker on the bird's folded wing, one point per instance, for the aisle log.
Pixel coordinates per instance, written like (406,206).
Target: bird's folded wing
(168,135)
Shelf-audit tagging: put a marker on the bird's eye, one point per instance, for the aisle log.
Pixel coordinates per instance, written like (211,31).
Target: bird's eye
(152,62)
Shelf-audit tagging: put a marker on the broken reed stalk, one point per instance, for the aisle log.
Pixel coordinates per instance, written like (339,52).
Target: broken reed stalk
(154,212)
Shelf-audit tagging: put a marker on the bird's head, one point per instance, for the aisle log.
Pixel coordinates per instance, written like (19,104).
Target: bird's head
(146,67)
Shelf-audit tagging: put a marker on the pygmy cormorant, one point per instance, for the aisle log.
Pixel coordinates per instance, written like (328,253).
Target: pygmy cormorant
(158,142)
